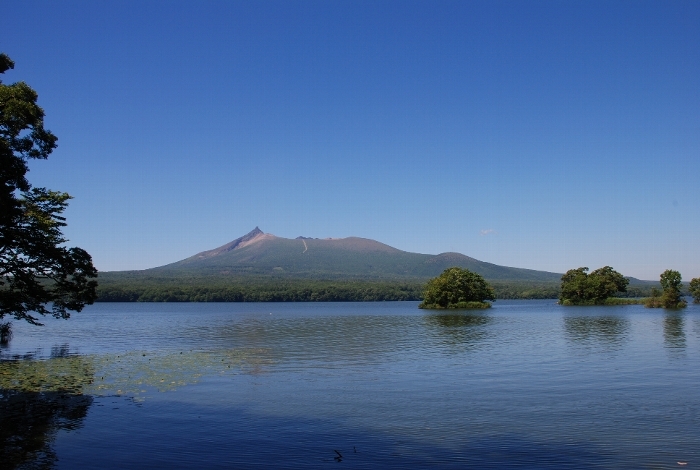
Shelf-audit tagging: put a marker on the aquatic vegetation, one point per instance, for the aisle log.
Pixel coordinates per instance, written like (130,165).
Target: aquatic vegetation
(130,374)
(39,397)
(59,374)
(136,372)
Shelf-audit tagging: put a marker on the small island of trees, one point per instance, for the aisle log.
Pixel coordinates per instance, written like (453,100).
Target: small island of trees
(694,289)
(600,287)
(671,292)
(457,288)
(597,288)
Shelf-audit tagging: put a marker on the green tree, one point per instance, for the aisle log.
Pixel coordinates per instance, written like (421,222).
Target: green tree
(695,289)
(457,288)
(574,286)
(38,275)
(580,288)
(671,284)
(606,282)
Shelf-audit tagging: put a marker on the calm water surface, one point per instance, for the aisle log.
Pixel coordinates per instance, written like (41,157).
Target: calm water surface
(527,384)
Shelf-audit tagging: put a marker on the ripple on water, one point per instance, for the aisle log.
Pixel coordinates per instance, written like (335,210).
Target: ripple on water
(522,385)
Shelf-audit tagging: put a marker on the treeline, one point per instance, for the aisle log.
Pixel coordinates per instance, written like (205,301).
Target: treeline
(298,292)
(552,290)
(521,290)
(264,290)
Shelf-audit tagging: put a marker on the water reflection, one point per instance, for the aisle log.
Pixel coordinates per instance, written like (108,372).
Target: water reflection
(525,404)
(606,331)
(38,399)
(346,339)
(62,350)
(40,396)
(353,339)
(674,334)
(461,330)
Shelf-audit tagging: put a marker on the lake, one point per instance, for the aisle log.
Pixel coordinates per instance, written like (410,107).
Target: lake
(525,384)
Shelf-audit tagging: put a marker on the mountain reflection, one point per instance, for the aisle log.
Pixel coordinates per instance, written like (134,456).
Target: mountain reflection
(38,398)
(347,339)
(461,330)
(607,331)
(674,334)
(351,339)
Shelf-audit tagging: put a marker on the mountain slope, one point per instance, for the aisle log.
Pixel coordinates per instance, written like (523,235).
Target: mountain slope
(258,254)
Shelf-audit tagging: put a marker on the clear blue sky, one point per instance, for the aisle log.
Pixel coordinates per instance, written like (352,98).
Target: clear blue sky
(543,135)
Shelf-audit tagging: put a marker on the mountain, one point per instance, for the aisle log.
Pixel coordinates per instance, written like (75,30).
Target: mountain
(258,254)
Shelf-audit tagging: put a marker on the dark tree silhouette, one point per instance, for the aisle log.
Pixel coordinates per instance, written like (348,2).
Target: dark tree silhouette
(38,275)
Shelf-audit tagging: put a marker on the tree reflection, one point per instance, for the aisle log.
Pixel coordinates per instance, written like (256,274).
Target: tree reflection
(603,330)
(459,329)
(674,334)
(38,398)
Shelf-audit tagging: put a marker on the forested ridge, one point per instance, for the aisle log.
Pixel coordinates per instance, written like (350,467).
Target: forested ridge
(149,289)
(264,291)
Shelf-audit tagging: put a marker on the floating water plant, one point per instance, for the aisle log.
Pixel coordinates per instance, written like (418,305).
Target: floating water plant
(129,374)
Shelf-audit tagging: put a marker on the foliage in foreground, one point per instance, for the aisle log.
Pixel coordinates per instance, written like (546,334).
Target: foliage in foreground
(580,288)
(35,268)
(671,292)
(457,288)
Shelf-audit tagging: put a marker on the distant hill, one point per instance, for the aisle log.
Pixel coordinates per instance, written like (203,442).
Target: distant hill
(258,254)
(262,267)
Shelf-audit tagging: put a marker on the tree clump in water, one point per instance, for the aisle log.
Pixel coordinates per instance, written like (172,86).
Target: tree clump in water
(457,288)
(597,288)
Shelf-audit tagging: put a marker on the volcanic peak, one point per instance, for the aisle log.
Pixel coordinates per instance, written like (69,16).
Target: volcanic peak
(251,237)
